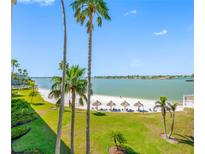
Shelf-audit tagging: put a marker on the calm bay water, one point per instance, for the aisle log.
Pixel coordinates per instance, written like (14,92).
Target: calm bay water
(174,89)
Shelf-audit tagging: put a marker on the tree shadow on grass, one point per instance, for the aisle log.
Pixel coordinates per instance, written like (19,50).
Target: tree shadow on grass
(99,114)
(41,137)
(185,139)
(38,104)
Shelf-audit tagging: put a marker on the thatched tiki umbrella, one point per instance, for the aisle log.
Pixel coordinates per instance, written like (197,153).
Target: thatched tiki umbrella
(138,104)
(125,104)
(111,104)
(97,103)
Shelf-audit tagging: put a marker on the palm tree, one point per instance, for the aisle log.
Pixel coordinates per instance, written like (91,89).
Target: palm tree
(25,72)
(172,108)
(77,85)
(56,89)
(74,84)
(25,76)
(20,71)
(89,9)
(14,64)
(61,65)
(163,106)
(61,110)
(33,87)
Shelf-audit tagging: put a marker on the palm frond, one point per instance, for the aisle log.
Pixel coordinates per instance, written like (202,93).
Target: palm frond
(99,21)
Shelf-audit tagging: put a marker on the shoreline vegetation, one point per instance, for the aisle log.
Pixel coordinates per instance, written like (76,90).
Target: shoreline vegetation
(155,77)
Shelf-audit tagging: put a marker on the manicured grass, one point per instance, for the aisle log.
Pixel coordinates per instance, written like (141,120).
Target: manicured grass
(142,131)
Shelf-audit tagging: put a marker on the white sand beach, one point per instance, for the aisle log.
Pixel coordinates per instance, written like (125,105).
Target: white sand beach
(148,104)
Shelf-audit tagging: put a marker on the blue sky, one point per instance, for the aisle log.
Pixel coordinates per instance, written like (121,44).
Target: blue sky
(144,37)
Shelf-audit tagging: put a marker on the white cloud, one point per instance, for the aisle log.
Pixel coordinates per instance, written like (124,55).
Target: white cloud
(131,12)
(41,2)
(162,32)
(136,63)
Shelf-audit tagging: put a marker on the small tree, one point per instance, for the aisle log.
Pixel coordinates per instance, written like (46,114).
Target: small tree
(172,108)
(118,139)
(34,88)
(163,106)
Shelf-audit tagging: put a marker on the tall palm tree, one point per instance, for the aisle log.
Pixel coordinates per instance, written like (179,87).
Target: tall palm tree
(77,85)
(163,106)
(87,10)
(172,108)
(14,64)
(61,110)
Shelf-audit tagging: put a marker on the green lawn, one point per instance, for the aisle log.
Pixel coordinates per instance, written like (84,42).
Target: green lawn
(142,131)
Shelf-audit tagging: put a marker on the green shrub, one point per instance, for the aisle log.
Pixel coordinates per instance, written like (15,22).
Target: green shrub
(19,105)
(22,112)
(33,151)
(18,132)
(99,114)
(118,139)
(129,150)
(16,121)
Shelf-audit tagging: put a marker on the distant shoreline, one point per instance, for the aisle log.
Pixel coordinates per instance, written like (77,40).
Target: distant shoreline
(148,77)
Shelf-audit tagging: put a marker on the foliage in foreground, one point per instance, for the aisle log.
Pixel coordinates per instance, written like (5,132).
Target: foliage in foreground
(22,113)
(30,151)
(17,132)
(118,139)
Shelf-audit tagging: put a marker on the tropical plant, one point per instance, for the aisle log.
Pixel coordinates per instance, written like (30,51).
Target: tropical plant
(61,110)
(77,85)
(172,108)
(163,106)
(118,139)
(55,91)
(86,11)
(33,86)
(20,71)
(14,64)
(61,65)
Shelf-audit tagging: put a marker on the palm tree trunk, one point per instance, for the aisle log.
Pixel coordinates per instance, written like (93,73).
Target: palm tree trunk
(89,88)
(61,110)
(164,123)
(72,122)
(172,126)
